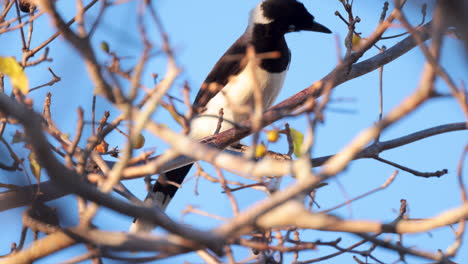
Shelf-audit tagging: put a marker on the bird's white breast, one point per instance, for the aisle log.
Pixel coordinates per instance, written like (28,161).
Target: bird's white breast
(237,94)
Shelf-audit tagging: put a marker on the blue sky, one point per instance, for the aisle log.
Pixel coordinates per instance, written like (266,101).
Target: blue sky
(200,31)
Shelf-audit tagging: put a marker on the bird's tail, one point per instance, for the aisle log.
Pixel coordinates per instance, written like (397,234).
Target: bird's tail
(160,197)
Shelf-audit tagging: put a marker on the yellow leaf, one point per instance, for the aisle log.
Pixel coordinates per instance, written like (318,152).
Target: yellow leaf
(173,113)
(356,40)
(34,166)
(298,139)
(66,136)
(164,125)
(273,135)
(260,150)
(10,67)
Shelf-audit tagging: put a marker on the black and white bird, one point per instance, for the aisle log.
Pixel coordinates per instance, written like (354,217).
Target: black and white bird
(231,84)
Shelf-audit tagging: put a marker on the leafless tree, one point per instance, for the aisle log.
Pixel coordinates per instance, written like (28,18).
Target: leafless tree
(269,228)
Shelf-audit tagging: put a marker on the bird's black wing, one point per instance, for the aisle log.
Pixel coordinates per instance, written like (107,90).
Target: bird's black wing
(230,64)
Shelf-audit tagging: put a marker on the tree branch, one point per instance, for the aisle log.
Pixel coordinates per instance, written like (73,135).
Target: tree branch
(69,181)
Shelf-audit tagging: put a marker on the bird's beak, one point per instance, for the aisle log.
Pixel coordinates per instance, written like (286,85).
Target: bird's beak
(318,28)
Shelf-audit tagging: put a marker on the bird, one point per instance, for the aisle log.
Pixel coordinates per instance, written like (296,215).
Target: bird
(230,85)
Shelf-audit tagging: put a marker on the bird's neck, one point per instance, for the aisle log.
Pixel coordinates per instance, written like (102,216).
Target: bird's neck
(266,38)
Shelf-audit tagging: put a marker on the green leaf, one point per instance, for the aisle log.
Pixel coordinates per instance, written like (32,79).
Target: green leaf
(10,67)
(105,47)
(298,139)
(18,137)
(172,112)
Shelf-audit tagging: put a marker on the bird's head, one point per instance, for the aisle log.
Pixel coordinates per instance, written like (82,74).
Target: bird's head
(286,16)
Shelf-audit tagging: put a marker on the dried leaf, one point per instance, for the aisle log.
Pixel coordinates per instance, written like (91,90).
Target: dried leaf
(139,142)
(34,166)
